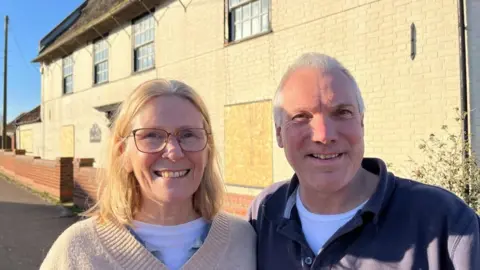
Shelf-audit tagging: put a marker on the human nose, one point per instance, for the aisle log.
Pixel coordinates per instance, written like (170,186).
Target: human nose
(172,149)
(323,129)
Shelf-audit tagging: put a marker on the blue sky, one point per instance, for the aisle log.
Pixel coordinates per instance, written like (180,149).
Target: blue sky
(29,21)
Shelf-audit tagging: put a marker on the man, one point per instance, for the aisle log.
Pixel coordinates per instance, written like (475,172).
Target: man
(341,210)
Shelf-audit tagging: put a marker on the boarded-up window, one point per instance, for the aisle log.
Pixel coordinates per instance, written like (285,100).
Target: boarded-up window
(26,140)
(248,144)
(67,141)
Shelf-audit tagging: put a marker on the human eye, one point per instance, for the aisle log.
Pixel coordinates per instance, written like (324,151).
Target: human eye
(300,117)
(189,134)
(344,113)
(150,135)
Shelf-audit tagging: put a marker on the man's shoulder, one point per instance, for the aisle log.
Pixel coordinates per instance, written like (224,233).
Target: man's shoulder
(437,212)
(275,192)
(272,189)
(431,201)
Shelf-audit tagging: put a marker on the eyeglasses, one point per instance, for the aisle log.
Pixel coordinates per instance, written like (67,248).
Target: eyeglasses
(153,140)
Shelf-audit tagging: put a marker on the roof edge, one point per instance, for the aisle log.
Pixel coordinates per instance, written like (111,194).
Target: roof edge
(115,9)
(33,121)
(57,30)
(17,120)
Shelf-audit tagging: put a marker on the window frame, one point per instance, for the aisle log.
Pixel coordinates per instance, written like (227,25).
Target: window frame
(97,63)
(136,48)
(231,20)
(65,76)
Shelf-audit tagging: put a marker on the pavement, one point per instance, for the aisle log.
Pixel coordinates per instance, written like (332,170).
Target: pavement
(28,226)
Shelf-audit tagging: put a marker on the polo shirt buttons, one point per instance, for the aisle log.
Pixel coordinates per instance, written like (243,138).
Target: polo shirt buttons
(308,260)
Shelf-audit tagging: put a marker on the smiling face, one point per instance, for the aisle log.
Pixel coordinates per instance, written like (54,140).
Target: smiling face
(170,175)
(321,129)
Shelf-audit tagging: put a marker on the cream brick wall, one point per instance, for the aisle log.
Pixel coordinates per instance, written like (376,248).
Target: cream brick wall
(406,100)
(473,54)
(120,54)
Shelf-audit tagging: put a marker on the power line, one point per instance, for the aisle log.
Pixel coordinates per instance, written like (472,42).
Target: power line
(21,52)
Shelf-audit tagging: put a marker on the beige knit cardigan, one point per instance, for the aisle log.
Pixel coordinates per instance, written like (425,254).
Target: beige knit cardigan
(87,244)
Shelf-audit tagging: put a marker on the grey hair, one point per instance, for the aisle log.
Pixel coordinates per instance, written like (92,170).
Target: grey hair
(322,62)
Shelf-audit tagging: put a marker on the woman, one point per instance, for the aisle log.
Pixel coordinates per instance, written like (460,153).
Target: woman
(160,197)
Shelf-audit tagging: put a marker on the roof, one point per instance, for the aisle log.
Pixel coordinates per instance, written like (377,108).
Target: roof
(30,117)
(11,126)
(62,27)
(90,21)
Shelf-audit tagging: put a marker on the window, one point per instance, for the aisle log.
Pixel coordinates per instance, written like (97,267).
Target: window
(100,61)
(68,74)
(143,47)
(248,18)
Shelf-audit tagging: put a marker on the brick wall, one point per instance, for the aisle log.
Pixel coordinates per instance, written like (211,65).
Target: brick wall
(67,179)
(237,204)
(85,189)
(84,184)
(52,176)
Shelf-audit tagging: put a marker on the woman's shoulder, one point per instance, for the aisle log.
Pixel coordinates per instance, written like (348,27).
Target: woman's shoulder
(75,240)
(239,251)
(81,228)
(79,232)
(238,226)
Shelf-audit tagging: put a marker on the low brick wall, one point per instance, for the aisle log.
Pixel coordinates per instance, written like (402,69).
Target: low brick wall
(85,189)
(70,179)
(52,176)
(84,183)
(237,204)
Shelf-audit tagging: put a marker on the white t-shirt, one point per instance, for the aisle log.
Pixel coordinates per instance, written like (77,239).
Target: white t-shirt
(171,244)
(319,228)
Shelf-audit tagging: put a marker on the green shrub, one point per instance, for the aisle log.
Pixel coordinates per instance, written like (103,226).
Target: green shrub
(445,165)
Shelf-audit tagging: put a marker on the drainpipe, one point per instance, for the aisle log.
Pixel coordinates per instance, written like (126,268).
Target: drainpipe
(463,75)
(463,87)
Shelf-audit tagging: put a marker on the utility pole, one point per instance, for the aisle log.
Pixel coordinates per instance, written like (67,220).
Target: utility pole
(4,130)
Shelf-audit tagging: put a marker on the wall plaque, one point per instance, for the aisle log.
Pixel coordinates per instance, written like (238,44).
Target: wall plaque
(95,134)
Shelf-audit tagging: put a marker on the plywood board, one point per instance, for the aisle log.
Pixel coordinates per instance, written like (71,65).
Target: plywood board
(67,141)
(248,144)
(26,140)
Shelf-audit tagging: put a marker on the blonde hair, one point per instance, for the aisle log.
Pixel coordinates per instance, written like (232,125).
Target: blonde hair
(119,197)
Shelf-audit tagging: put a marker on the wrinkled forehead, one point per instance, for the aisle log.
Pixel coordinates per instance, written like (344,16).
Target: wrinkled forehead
(312,86)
